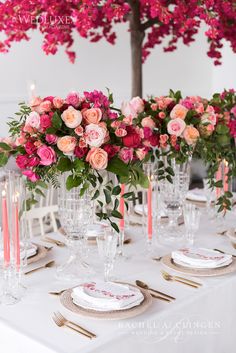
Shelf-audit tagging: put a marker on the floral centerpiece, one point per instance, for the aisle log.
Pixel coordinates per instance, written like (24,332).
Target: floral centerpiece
(75,135)
(180,128)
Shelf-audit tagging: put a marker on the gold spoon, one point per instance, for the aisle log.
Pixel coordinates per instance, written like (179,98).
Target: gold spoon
(145,286)
(47,265)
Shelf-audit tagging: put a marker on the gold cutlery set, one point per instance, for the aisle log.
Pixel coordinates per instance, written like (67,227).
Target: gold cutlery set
(187,282)
(61,321)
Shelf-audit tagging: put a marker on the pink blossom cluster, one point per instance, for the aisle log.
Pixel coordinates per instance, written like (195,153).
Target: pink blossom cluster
(176,20)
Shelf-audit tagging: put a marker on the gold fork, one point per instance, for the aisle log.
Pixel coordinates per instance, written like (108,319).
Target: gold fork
(60,320)
(190,283)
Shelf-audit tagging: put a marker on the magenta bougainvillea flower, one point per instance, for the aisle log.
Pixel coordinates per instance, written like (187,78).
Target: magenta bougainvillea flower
(60,20)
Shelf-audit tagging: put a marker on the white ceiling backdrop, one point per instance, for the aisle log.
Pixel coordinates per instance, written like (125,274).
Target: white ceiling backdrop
(100,65)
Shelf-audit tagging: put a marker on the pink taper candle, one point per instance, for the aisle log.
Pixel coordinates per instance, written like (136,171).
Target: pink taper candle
(16,235)
(218,177)
(226,170)
(5,230)
(149,204)
(122,207)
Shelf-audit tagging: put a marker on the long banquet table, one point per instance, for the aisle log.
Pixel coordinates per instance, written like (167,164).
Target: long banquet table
(200,320)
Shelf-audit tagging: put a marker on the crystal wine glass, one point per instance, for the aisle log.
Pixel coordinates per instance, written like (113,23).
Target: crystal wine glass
(107,248)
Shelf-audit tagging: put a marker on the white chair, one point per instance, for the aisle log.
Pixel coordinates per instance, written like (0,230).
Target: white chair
(41,217)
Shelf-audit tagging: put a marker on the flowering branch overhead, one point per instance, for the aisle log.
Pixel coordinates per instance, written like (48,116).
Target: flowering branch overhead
(59,20)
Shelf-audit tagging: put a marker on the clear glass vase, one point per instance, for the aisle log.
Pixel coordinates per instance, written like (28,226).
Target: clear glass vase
(75,213)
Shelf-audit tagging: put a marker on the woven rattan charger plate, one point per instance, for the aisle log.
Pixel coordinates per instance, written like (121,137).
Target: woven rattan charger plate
(68,303)
(168,262)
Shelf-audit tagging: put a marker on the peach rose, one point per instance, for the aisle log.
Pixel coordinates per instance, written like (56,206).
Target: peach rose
(71,117)
(97,158)
(191,135)
(35,103)
(148,122)
(176,127)
(179,111)
(92,116)
(58,102)
(45,107)
(66,144)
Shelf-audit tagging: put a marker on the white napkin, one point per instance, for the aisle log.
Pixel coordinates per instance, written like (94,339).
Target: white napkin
(200,258)
(31,250)
(140,208)
(106,296)
(196,195)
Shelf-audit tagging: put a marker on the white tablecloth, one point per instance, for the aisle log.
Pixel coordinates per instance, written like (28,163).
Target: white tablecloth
(200,320)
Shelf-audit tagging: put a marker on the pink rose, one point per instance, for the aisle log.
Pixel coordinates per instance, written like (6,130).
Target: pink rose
(45,106)
(176,127)
(45,121)
(148,122)
(33,161)
(30,147)
(154,106)
(33,120)
(163,140)
(71,117)
(67,144)
(191,135)
(92,116)
(95,135)
(163,102)
(126,154)
(58,102)
(138,104)
(128,110)
(179,111)
(128,120)
(141,153)
(47,155)
(79,131)
(31,175)
(22,161)
(97,158)
(116,124)
(162,115)
(120,132)
(73,99)
(51,139)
